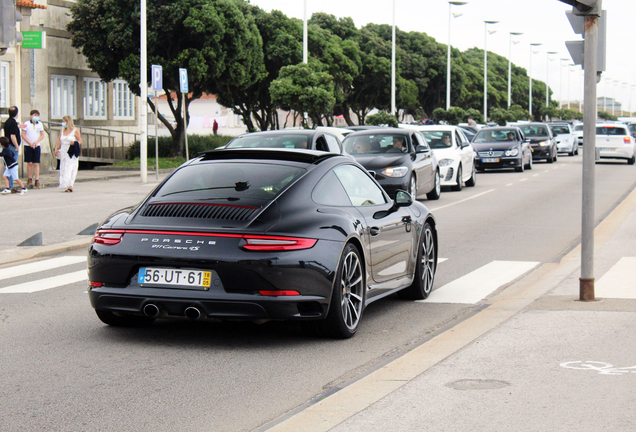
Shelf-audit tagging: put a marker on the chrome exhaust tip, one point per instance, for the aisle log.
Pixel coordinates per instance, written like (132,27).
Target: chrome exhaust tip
(151,310)
(193,313)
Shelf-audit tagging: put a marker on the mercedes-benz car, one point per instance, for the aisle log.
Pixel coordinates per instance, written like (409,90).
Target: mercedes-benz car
(455,154)
(262,234)
(399,159)
(502,147)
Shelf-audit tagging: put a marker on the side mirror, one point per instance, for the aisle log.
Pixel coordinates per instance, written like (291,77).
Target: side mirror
(403,199)
(421,149)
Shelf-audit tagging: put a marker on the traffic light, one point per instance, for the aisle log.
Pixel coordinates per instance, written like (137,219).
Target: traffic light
(9,17)
(585,7)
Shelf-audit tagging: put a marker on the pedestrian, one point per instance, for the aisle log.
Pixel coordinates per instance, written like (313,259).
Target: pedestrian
(12,131)
(215,127)
(471,122)
(32,134)
(68,165)
(11,170)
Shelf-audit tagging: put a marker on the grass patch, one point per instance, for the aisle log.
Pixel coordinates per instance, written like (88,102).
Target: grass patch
(164,163)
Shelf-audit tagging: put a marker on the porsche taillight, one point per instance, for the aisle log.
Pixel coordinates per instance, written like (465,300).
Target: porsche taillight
(276,243)
(108,237)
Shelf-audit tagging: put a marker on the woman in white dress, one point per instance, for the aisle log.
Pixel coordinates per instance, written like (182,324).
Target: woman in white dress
(68,165)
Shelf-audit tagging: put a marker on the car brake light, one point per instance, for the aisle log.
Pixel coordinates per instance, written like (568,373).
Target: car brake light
(108,237)
(628,140)
(279,293)
(95,284)
(272,243)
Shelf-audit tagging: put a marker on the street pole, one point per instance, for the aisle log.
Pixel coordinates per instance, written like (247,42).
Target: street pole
(532,45)
(614,97)
(305,54)
(547,78)
(510,65)
(143,84)
(185,125)
(448,56)
(561,83)
(393,63)
(590,50)
(569,75)
(486,68)
(156,138)
(605,95)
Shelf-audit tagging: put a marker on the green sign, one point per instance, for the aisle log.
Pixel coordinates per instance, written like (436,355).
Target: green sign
(34,39)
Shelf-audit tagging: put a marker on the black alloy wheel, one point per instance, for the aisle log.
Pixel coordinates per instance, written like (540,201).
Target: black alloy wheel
(123,320)
(425,267)
(347,299)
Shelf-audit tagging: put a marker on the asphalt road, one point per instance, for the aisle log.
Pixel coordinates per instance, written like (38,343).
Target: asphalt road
(62,369)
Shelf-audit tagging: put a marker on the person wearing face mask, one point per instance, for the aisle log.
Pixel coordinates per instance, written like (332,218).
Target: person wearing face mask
(68,164)
(32,135)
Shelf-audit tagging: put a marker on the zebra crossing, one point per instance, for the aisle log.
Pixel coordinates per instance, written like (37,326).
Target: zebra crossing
(468,289)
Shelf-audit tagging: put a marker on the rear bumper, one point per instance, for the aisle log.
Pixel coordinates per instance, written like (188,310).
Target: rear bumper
(623,152)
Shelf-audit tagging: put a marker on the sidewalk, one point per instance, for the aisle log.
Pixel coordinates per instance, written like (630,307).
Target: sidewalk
(533,358)
(52,179)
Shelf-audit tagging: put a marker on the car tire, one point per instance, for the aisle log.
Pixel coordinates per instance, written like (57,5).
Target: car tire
(550,159)
(123,320)
(435,193)
(520,167)
(413,186)
(459,184)
(529,166)
(347,299)
(472,181)
(631,160)
(425,267)
(576,150)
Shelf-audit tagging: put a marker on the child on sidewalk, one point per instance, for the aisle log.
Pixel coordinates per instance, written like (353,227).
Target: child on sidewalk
(11,170)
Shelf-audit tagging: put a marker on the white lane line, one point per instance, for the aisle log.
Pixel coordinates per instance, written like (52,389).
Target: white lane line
(441,260)
(34,267)
(535,175)
(523,179)
(48,283)
(461,201)
(618,282)
(478,284)
(509,184)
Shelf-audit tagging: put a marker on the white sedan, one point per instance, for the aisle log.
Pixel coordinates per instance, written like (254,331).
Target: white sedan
(454,152)
(565,139)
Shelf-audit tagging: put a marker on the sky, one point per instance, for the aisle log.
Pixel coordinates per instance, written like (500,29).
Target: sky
(540,21)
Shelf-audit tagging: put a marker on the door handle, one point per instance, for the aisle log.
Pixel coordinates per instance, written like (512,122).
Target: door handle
(374,231)
(406,219)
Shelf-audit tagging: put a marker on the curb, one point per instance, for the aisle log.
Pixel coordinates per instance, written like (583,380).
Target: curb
(116,174)
(11,256)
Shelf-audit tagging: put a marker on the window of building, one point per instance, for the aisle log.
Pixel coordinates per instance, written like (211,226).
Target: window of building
(63,96)
(94,98)
(4,84)
(123,101)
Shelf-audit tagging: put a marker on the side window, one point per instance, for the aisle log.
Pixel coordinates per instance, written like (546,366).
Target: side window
(329,191)
(359,186)
(419,140)
(332,142)
(458,139)
(321,144)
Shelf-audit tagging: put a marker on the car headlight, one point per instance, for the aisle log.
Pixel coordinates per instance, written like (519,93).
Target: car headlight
(512,152)
(395,171)
(544,143)
(445,162)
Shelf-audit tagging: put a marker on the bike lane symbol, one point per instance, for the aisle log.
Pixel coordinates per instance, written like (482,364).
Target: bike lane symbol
(601,367)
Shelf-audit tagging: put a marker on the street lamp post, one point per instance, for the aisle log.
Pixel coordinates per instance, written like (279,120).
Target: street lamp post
(143,86)
(605,93)
(614,97)
(448,57)
(393,63)
(305,51)
(510,64)
(532,45)
(561,83)
(547,78)
(569,75)
(486,68)
(622,99)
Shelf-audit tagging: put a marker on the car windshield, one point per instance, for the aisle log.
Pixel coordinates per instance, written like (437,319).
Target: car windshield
(560,130)
(611,130)
(226,180)
(271,141)
(486,135)
(438,139)
(375,144)
(535,131)
(578,127)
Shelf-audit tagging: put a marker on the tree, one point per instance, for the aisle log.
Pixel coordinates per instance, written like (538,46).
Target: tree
(218,45)
(304,89)
(382,118)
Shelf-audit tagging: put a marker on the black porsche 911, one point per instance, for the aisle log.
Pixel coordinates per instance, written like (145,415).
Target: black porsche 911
(261,234)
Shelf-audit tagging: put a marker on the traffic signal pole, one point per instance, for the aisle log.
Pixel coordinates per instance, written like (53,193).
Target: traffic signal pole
(590,49)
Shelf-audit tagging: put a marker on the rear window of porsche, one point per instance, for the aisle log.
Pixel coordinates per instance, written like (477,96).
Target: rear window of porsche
(227,180)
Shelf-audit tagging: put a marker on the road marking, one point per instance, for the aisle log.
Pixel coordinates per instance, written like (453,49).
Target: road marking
(523,179)
(509,184)
(478,284)
(39,266)
(618,282)
(441,260)
(535,175)
(601,367)
(464,200)
(48,283)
